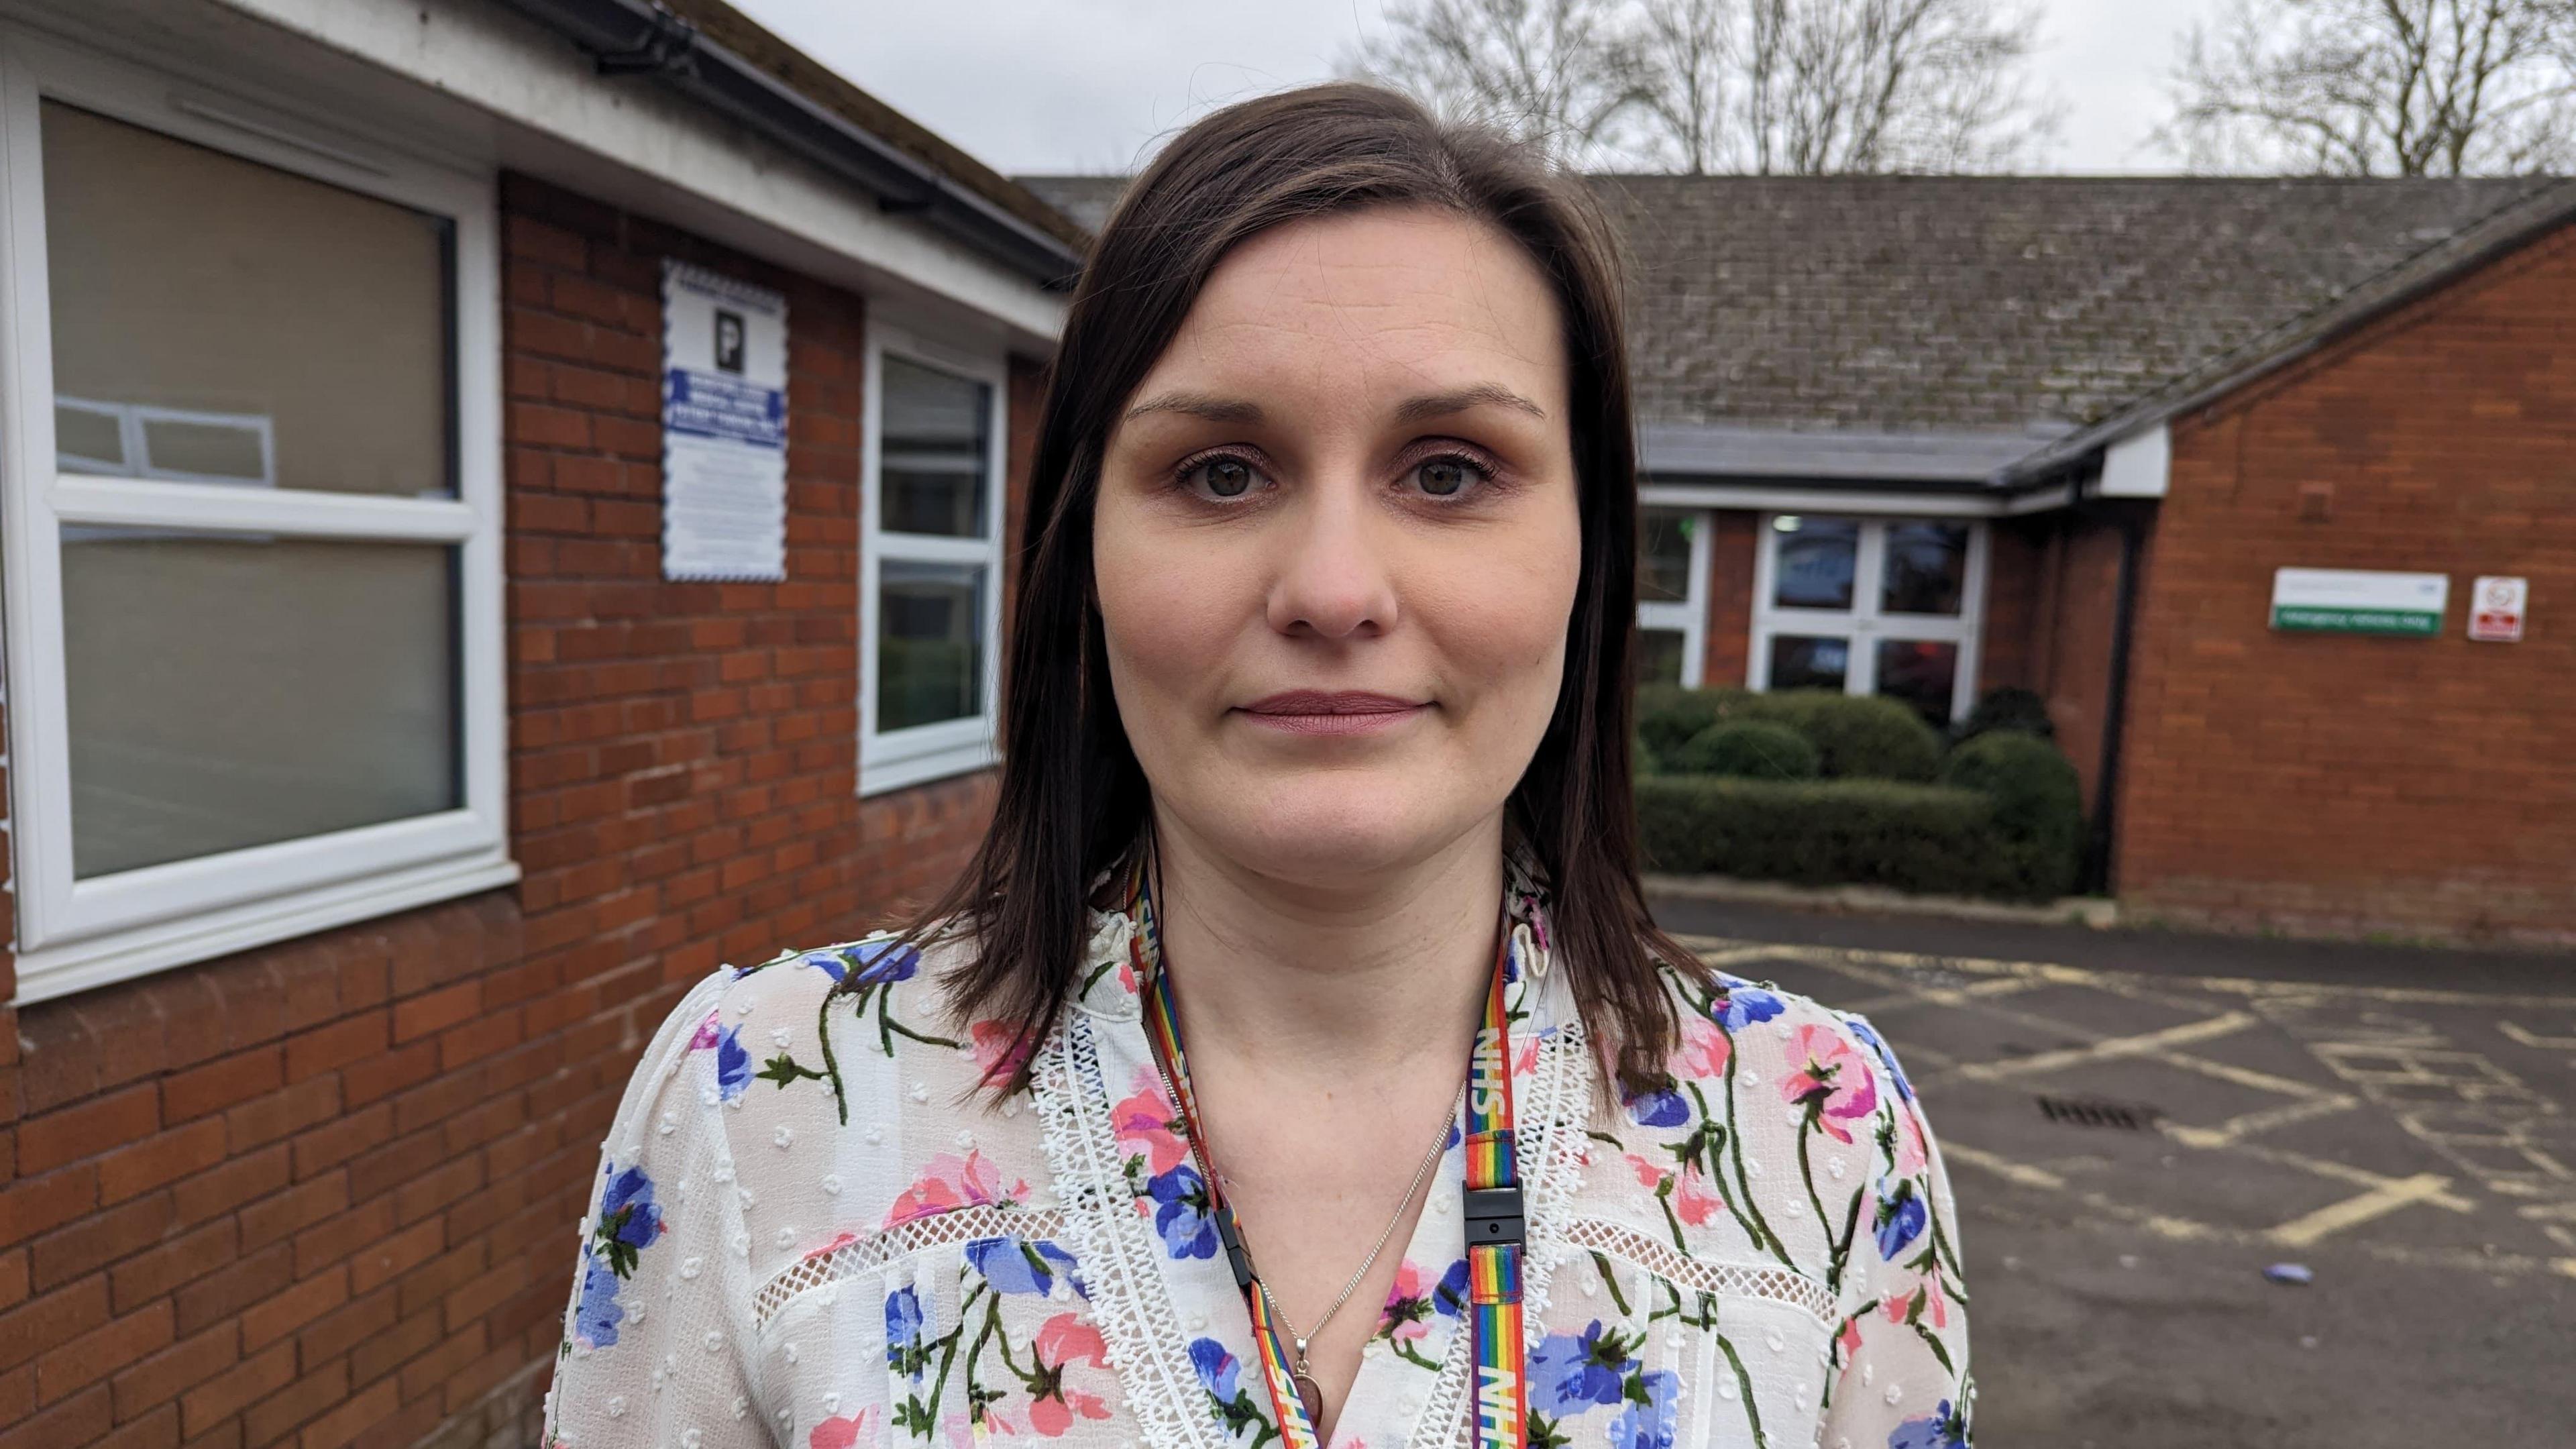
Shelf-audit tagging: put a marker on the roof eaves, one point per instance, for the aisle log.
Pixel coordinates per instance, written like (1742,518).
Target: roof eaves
(698,49)
(2549,205)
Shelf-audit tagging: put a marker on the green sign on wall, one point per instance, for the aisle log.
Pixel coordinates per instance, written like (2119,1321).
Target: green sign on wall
(2359,601)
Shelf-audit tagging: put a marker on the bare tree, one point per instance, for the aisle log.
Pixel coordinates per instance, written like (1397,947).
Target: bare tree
(2379,88)
(1547,70)
(1800,86)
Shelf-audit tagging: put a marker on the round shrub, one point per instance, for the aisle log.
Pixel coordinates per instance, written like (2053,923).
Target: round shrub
(1856,737)
(1748,749)
(2009,707)
(2039,807)
(1668,715)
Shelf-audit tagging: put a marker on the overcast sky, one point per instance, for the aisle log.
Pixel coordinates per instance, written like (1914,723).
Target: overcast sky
(1090,85)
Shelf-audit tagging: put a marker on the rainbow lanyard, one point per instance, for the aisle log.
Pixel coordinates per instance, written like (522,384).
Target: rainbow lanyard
(1495,1230)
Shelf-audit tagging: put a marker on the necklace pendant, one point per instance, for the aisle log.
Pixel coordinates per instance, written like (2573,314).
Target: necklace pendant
(1310,1396)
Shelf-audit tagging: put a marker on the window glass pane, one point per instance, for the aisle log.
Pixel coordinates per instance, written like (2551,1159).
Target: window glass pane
(238,325)
(1816,560)
(1921,672)
(1927,568)
(236,690)
(1799,662)
(932,468)
(1663,554)
(930,643)
(1659,656)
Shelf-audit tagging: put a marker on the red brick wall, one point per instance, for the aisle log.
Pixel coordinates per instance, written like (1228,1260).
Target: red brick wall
(324,1192)
(1730,599)
(2072,641)
(2342,783)
(2011,634)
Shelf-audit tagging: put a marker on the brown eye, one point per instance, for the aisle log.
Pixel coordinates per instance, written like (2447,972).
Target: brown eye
(1227,477)
(1445,477)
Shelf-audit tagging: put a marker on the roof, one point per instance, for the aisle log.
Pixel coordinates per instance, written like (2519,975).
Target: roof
(720,59)
(1937,326)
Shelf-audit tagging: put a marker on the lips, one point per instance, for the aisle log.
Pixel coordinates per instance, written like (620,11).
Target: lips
(1331,712)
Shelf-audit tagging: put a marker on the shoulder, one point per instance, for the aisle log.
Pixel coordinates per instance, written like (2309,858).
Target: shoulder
(1729,1025)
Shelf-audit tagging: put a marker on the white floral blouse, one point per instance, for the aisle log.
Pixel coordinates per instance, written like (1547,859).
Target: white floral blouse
(810,1232)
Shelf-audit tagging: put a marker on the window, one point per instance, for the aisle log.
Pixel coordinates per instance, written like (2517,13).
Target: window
(252,524)
(1672,595)
(930,562)
(1870,606)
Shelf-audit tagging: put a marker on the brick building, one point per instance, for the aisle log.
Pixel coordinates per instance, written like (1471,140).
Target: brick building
(384,754)
(1931,436)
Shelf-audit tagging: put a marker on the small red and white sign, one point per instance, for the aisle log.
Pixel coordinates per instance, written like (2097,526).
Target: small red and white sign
(2496,609)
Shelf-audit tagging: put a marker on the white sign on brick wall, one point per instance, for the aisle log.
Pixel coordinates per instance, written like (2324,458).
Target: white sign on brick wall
(2496,607)
(724,427)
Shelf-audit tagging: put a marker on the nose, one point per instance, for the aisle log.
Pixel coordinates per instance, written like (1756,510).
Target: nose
(1335,579)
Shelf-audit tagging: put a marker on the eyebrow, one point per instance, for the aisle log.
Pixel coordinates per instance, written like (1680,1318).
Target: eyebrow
(1411,410)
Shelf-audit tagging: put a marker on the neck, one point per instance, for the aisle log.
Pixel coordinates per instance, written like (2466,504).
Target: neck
(1309,980)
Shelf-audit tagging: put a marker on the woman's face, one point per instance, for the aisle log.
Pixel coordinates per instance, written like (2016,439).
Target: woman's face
(1337,544)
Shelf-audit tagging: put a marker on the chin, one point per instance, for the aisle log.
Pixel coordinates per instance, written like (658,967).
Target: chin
(1324,828)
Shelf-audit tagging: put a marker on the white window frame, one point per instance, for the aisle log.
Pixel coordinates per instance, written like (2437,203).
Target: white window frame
(74,935)
(1688,616)
(895,759)
(1864,623)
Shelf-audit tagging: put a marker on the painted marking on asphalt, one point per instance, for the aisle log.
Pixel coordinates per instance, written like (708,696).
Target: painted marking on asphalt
(2234,1131)
(2378,1202)
(2344,1172)
(2003,1167)
(2530,1038)
(2153,1043)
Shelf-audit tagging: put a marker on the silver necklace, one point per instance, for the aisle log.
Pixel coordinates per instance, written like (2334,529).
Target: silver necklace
(1309,1392)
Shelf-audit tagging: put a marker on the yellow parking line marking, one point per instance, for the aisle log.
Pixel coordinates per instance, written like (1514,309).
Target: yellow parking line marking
(2234,1131)
(2004,1167)
(2150,1043)
(2378,1202)
(2357,1176)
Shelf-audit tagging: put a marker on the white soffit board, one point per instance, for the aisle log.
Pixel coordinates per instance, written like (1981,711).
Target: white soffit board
(2136,466)
(520,74)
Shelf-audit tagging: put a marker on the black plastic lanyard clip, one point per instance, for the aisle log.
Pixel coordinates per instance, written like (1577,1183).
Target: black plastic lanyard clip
(1494,1217)
(1235,1258)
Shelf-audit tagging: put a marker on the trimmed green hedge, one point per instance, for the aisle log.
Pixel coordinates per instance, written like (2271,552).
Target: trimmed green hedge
(2038,807)
(2005,819)
(1822,832)
(1855,737)
(1748,749)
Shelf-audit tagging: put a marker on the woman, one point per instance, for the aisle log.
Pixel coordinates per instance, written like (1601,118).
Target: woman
(1296,1061)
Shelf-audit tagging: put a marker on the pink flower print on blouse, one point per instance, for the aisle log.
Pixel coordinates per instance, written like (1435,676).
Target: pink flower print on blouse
(845,1431)
(1704,1051)
(1688,1193)
(1911,1155)
(1148,1124)
(949,1182)
(1054,1403)
(1830,1080)
(1001,1049)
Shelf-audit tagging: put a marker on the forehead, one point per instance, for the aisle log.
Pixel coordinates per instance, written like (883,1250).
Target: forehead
(1410,297)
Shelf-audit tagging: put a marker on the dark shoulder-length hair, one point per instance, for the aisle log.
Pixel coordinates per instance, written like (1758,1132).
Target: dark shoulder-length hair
(1073,801)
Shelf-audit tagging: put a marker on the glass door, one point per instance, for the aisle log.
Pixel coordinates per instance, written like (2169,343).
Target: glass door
(1870,606)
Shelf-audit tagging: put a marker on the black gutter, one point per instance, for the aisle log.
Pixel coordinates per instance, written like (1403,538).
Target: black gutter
(631,37)
(2115,696)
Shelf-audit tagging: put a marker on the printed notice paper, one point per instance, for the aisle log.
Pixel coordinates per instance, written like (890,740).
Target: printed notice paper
(724,427)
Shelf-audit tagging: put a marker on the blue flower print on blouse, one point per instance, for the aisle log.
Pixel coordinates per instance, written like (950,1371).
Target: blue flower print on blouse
(628,1222)
(1648,1425)
(1023,1265)
(904,1352)
(1182,1215)
(1221,1374)
(1886,1057)
(1943,1428)
(733,1064)
(1663,1107)
(595,1320)
(1571,1373)
(1900,1218)
(1739,1003)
